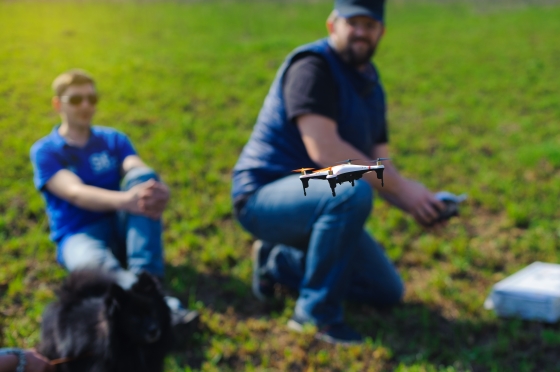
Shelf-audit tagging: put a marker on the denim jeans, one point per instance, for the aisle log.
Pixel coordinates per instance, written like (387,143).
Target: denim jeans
(320,246)
(118,242)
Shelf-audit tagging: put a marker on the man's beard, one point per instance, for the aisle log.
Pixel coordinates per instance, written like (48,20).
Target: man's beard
(358,59)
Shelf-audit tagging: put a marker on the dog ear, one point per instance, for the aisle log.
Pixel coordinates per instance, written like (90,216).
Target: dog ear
(115,298)
(146,284)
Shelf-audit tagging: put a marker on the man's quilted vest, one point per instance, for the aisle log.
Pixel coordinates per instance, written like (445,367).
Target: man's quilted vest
(276,148)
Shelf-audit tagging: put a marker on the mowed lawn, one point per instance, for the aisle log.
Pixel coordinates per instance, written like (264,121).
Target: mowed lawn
(473,106)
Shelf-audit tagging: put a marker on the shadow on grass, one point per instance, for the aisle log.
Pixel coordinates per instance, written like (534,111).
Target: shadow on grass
(417,334)
(218,292)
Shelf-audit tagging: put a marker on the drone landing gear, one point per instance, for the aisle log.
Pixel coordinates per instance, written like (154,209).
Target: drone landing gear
(305,184)
(332,184)
(379,173)
(354,178)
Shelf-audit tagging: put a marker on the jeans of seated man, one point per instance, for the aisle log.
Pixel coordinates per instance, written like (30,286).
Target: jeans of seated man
(321,248)
(119,241)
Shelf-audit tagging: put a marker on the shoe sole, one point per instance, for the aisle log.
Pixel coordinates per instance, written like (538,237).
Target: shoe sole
(192,318)
(334,341)
(257,245)
(188,322)
(295,326)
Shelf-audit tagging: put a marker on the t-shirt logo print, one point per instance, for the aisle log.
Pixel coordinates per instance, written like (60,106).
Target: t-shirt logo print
(102,162)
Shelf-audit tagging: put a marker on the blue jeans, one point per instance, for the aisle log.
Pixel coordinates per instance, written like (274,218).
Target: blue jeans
(118,242)
(321,247)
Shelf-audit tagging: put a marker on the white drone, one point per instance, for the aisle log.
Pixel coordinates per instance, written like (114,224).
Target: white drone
(345,171)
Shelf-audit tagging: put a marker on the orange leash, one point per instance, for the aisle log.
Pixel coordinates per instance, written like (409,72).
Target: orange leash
(66,360)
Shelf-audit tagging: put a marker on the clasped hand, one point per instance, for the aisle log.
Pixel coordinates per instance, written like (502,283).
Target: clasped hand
(148,199)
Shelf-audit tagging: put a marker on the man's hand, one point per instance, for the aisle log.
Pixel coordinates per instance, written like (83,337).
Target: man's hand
(36,362)
(421,203)
(408,195)
(148,199)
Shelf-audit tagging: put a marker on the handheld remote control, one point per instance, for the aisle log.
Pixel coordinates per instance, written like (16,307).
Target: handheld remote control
(451,202)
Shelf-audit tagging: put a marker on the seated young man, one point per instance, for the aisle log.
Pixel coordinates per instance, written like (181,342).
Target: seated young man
(104,204)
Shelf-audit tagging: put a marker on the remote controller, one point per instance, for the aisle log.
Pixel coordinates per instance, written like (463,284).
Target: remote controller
(451,202)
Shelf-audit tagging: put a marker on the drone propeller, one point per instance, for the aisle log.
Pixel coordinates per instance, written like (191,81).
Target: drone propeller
(347,161)
(376,161)
(302,170)
(322,170)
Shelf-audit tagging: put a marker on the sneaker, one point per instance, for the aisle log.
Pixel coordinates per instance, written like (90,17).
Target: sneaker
(180,315)
(184,323)
(338,333)
(262,283)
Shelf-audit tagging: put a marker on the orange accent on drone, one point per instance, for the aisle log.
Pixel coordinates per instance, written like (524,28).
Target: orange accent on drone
(323,169)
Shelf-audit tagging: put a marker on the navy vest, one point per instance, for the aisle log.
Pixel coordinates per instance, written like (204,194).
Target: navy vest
(276,148)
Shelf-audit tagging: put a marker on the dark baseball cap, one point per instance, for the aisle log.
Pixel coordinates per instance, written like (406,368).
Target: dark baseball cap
(351,8)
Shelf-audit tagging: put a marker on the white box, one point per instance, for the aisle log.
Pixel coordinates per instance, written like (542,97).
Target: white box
(532,293)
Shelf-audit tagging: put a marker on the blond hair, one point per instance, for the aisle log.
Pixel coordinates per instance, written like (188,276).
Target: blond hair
(71,77)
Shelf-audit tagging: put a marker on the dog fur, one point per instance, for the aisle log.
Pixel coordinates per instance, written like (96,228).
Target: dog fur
(100,327)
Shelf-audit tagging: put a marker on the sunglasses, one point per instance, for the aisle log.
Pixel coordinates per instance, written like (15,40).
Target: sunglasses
(77,100)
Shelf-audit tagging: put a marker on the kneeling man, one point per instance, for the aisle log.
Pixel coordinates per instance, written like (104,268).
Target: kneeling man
(326,104)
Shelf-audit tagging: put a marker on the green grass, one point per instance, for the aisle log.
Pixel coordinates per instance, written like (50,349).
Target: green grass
(473,107)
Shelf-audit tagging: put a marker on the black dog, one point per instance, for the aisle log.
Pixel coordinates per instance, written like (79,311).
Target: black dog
(96,326)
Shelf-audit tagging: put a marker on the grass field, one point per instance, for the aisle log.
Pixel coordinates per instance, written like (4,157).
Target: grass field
(473,107)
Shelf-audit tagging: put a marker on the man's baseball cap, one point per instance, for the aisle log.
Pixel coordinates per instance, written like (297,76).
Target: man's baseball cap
(351,8)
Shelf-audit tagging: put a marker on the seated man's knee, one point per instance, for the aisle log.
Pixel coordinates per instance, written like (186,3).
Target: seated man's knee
(82,260)
(138,175)
(81,254)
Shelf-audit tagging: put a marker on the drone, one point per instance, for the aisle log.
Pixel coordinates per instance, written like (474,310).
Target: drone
(344,171)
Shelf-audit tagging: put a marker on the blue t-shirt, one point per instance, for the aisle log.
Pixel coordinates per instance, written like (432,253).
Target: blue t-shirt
(98,164)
